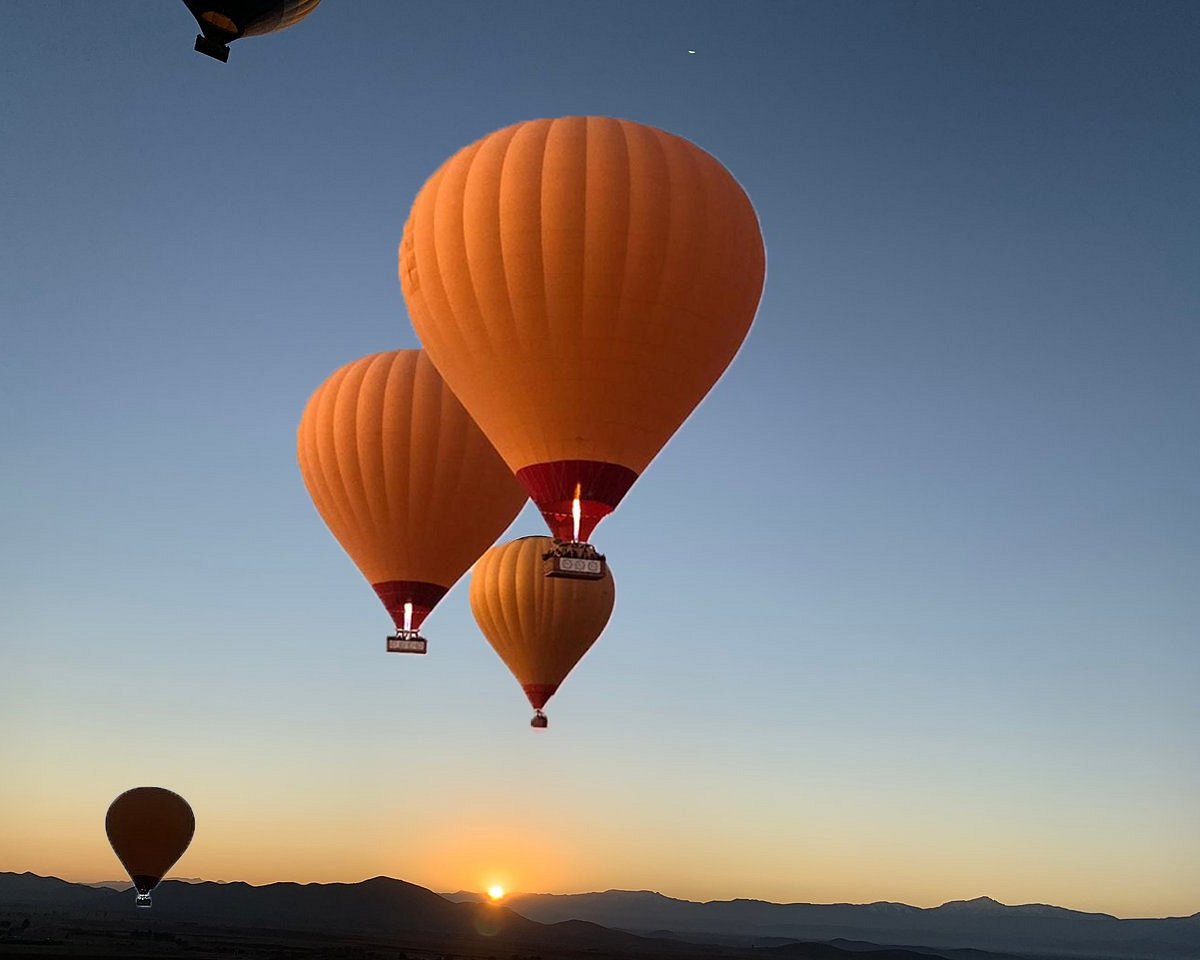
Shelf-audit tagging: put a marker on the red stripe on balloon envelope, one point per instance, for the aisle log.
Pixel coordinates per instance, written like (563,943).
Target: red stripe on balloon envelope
(423,596)
(539,693)
(554,486)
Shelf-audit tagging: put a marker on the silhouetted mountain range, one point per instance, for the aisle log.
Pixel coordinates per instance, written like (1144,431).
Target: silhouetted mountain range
(29,889)
(635,923)
(380,906)
(982,923)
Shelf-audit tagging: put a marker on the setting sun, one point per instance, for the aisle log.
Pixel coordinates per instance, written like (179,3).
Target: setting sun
(496,892)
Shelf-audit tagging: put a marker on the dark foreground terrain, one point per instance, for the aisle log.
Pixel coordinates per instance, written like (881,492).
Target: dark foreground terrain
(61,935)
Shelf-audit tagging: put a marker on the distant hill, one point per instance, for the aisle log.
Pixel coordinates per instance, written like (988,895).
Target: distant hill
(109,884)
(982,924)
(377,905)
(29,889)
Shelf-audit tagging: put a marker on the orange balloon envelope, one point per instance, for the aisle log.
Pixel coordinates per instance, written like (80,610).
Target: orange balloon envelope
(581,283)
(539,626)
(406,482)
(149,828)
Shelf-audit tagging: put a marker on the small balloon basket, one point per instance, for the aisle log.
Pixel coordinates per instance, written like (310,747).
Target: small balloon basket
(574,560)
(218,51)
(143,901)
(407,641)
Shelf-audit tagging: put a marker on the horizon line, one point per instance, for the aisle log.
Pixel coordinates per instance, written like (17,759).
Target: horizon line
(525,893)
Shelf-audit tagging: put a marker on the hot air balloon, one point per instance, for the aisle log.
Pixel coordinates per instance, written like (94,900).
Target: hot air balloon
(405,481)
(223,21)
(539,626)
(581,283)
(149,828)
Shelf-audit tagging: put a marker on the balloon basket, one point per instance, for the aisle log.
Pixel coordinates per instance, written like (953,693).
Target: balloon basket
(573,560)
(143,901)
(407,641)
(218,51)
(540,721)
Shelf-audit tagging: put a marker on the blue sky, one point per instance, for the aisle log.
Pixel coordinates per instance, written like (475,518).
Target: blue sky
(907,610)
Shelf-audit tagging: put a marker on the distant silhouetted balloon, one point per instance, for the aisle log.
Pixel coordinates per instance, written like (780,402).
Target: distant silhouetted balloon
(224,21)
(539,626)
(405,480)
(149,828)
(581,283)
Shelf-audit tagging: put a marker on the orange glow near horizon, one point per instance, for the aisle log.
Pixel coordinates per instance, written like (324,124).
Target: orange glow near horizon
(495,892)
(486,833)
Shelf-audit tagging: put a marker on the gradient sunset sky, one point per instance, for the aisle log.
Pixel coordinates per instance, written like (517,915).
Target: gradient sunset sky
(908,610)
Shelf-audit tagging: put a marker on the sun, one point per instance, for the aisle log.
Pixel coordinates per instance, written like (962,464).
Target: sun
(495,892)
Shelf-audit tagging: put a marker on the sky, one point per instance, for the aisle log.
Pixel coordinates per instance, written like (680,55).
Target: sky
(908,610)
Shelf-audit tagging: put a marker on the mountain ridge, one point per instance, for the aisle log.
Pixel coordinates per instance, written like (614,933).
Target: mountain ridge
(979,923)
(463,895)
(634,922)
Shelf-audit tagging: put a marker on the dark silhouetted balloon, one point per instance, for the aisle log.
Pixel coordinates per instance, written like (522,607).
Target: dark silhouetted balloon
(224,21)
(149,828)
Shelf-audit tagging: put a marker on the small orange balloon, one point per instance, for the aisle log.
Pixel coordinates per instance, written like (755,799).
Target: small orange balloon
(149,829)
(539,626)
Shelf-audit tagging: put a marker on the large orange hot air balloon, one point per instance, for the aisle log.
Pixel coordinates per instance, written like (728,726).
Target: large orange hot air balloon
(581,283)
(149,828)
(539,626)
(405,481)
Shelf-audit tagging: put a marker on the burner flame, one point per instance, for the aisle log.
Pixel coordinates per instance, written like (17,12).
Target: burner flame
(576,512)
